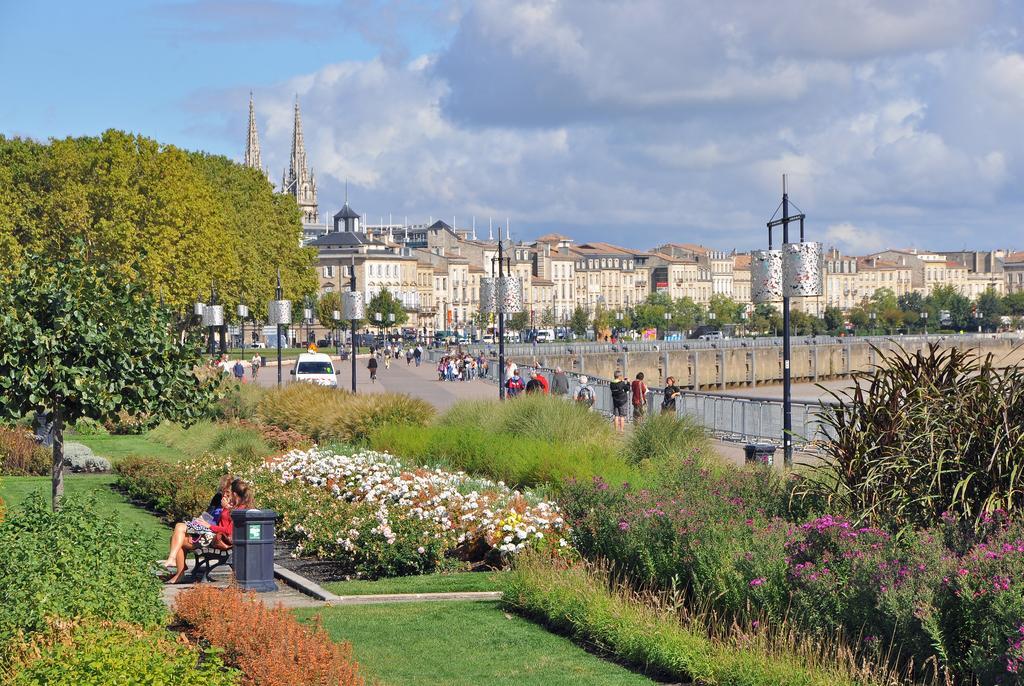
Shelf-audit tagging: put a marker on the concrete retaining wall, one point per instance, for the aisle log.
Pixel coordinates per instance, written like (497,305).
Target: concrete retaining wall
(738,367)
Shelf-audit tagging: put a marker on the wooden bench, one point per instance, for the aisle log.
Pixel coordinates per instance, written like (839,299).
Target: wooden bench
(207,560)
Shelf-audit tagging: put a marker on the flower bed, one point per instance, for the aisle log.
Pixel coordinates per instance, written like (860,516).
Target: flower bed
(949,599)
(368,510)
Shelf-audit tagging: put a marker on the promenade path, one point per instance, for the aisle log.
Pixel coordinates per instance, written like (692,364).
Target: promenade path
(419,382)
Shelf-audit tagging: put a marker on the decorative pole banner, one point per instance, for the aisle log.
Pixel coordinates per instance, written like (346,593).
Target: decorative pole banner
(213,315)
(765,276)
(279,312)
(510,294)
(488,295)
(352,305)
(801,268)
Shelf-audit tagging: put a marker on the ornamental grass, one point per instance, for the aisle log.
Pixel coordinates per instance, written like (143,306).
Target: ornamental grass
(331,415)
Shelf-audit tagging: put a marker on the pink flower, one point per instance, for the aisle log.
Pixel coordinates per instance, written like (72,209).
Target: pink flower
(757,582)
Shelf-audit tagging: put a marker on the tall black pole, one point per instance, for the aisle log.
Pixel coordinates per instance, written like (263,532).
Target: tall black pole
(279,294)
(501,326)
(787,390)
(352,287)
(211,342)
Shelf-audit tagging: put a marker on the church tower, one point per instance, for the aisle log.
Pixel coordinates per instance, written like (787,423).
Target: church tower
(299,182)
(252,145)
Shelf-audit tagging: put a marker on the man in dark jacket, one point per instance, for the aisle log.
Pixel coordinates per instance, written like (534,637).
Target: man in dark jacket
(620,401)
(559,382)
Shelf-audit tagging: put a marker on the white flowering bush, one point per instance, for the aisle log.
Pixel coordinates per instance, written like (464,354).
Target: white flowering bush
(368,510)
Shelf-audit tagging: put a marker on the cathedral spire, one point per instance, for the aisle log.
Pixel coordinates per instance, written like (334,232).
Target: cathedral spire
(300,182)
(252,147)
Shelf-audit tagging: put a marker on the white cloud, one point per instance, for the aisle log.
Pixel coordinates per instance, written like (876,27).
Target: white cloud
(676,120)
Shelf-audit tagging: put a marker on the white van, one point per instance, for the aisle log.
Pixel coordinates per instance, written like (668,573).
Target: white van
(315,368)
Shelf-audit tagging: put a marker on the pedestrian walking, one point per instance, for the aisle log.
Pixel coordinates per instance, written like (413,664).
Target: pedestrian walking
(408,357)
(372,366)
(585,394)
(418,354)
(387,361)
(559,382)
(239,371)
(534,386)
(514,386)
(639,389)
(620,401)
(545,385)
(668,405)
(254,365)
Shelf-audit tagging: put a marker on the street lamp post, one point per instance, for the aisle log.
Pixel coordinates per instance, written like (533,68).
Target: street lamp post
(502,295)
(794,271)
(872,317)
(980,317)
(924,322)
(279,313)
(243,314)
(664,333)
(391,323)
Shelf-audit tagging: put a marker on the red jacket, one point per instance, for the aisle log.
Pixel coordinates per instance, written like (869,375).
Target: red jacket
(226,525)
(543,383)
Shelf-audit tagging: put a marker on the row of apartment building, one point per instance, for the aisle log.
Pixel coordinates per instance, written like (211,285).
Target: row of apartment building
(435,271)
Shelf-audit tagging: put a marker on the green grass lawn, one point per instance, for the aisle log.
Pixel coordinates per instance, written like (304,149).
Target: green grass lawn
(460,582)
(463,643)
(115,447)
(14,489)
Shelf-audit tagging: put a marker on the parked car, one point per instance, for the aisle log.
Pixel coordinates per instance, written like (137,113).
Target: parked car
(315,368)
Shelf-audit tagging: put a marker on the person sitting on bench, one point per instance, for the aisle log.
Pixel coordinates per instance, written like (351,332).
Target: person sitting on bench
(200,534)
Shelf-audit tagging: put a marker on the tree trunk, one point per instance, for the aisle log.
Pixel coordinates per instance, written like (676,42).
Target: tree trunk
(58,458)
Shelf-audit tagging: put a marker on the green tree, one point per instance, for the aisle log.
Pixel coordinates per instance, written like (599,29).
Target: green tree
(881,300)
(580,321)
(992,308)
(603,320)
(547,317)
(834,319)
(386,304)
(650,314)
(911,302)
(949,299)
(518,321)
(187,219)
(1014,303)
(80,341)
(685,314)
(727,310)
(766,319)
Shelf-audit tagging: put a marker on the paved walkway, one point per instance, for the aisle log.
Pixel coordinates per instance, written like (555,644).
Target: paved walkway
(420,382)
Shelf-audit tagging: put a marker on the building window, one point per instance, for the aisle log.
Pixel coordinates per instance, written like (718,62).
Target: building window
(329,272)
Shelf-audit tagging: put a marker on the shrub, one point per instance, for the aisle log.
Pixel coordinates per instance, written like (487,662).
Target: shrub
(278,438)
(89,427)
(128,423)
(72,563)
(327,414)
(20,455)
(104,653)
(237,400)
(926,433)
(165,487)
(663,436)
(269,645)
(646,632)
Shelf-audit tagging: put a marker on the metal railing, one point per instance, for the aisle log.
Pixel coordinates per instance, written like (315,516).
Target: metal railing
(728,417)
(591,347)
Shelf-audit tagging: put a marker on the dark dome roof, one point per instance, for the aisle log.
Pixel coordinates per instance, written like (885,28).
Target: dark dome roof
(346,212)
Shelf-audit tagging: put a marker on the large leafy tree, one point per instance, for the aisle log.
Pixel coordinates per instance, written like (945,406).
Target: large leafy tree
(727,310)
(82,341)
(385,303)
(580,321)
(187,218)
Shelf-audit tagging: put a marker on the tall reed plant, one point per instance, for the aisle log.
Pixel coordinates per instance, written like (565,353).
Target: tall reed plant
(925,433)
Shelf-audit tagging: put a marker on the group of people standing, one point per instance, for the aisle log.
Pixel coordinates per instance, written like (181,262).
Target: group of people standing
(238,368)
(461,367)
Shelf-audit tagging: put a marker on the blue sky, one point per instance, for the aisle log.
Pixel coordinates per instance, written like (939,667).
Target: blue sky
(899,121)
